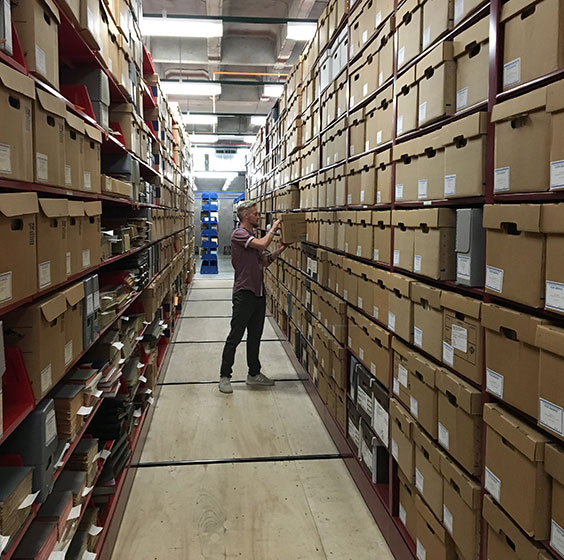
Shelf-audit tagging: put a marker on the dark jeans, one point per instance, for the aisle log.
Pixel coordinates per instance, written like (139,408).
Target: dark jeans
(249,312)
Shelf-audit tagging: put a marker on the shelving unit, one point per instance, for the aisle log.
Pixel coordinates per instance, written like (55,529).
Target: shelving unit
(210,230)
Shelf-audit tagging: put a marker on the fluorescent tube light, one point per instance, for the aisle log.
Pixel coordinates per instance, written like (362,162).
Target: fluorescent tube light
(249,139)
(203,89)
(203,138)
(273,90)
(181,27)
(258,121)
(227,175)
(301,31)
(200,119)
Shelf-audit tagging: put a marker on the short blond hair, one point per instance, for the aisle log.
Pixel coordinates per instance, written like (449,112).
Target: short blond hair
(243,207)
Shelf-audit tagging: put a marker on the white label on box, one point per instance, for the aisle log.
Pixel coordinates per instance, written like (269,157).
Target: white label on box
(89,304)
(419,480)
(5,287)
(68,353)
(378,18)
(556,174)
(28,500)
(328,160)
(381,422)
(366,455)
(501,179)
(367,145)
(68,175)
(44,274)
(365,36)
(372,368)
(349,199)
(395,450)
(354,433)
(360,301)
(448,354)
(396,387)
(557,537)
(400,124)
(85,410)
(40,60)
(364,90)
(391,321)
(396,257)
(361,353)
(352,149)
(376,256)
(75,512)
(426,36)
(358,251)
(50,428)
(461,98)
(554,296)
(401,56)
(444,436)
(379,135)
(422,112)
(87,181)
(494,279)
(42,163)
(460,338)
(402,375)
(458,10)
(399,192)
(142,378)
(447,519)
(362,197)
(5,159)
(376,312)
(492,484)
(551,416)
(350,342)
(46,379)
(402,515)
(417,263)
(333,330)
(450,185)
(69,263)
(494,383)
(378,197)
(346,292)
(418,337)
(512,73)
(85,258)
(105,454)
(463,267)
(421,552)
(414,406)
(94,530)
(422,188)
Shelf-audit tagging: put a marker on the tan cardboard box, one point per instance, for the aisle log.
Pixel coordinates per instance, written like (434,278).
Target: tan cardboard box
(384,177)
(37,23)
(336,274)
(382,243)
(49,139)
(555,106)
(505,539)
(463,8)
(73,342)
(113,186)
(512,357)
(364,287)
(437,20)
(400,306)
(75,224)
(522,148)
(340,186)
(407,102)
(465,156)
(379,120)
(92,162)
(365,235)
(423,396)
(462,335)
(91,234)
(400,375)
(404,238)
(430,166)
(341,93)
(514,471)
(462,505)
(435,239)
(460,421)
(408,25)
(552,216)
(378,284)
(16,99)
(74,152)
(356,133)
(362,181)
(406,157)
(403,450)
(515,230)
(436,77)
(18,256)
(41,329)
(364,76)
(533,40)
(432,539)
(550,392)
(125,116)
(407,508)
(554,465)
(471,55)
(52,222)
(363,26)
(428,477)
(293,227)
(427,319)
(350,283)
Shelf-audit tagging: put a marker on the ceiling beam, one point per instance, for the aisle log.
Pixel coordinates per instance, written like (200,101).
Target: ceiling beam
(227,82)
(239,19)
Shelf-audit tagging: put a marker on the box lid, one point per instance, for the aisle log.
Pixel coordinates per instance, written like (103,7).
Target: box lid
(93,208)
(429,450)
(421,292)
(363,218)
(16,81)
(514,7)
(382,217)
(75,122)
(522,105)
(459,392)
(409,148)
(468,40)
(527,440)
(552,218)
(401,418)
(404,10)
(399,283)
(93,133)
(554,461)
(74,294)
(555,97)
(76,208)
(362,164)
(399,347)
(431,141)
(462,484)
(53,9)
(550,338)
(53,307)
(406,218)
(18,204)
(465,305)
(406,80)
(525,217)
(440,54)
(436,217)
(381,101)
(468,127)
(434,525)
(54,207)
(513,323)
(423,369)
(51,104)
(383,158)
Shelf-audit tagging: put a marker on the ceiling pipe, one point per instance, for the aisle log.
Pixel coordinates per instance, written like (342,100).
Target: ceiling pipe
(238,19)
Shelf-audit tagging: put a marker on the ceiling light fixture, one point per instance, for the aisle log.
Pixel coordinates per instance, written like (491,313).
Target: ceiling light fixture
(273,90)
(181,27)
(200,119)
(203,89)
(249,139)
(258,121)
(203,138)
(298,31)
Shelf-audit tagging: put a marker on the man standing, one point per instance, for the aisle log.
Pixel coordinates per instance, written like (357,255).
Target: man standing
(249,257)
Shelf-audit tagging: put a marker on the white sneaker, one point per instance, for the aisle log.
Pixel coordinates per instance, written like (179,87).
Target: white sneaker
(259,380)
(225,385)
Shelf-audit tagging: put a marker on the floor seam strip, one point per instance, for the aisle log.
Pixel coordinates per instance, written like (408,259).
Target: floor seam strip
(220,341)
(238,381)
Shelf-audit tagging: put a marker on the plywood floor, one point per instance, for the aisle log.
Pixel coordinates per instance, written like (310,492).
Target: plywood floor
(308,508)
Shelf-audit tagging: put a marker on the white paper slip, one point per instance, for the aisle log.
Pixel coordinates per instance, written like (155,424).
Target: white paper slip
(419,481)
(492,484)
(138,413)
(396,387)
(60,463)
(140,365)
(494,279)
(512,72)
(402,375)
(139,338)
(444,436)
(557,174)
(75,512)
(402,515)
(118,345)
(421,552)
(121,362)
(143,379)
(105,453)
(494,383)
(395,450)
(556,538)
(95,530)
(447,519)
(460,338)
(461,98)
(57,555)
(88,555)
(87,491)
(463,267)
(554,296)
(414,406)
(151,400)
(28,500)
(4,540)
(418,337)
(551,416)
(502,179)
(148,391)
(85,410)
(448,354)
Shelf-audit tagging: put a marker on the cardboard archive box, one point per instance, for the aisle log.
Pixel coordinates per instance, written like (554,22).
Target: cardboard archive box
(514,471)
(384,177)
(512,357)
(75,224)
(408,30)
(407,508)
(407,102)
(356,133)
(379,120)
(432,540)
(515,230)
(18,255)
(364,76)
(555,106)
(470,247)
(382,243)
(554,465)
(363,25)
(74,152)
(365,235)
(403,450)
(92,147)
(385,41)
(400,306)
(400,374)
(437,20)
(553,228)
(406,157)
(362,181)
(17,93)
(427,319)
(91,234)
(73,320)
(430,166)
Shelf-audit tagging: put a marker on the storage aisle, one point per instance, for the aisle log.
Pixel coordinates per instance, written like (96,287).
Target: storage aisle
(271,508)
